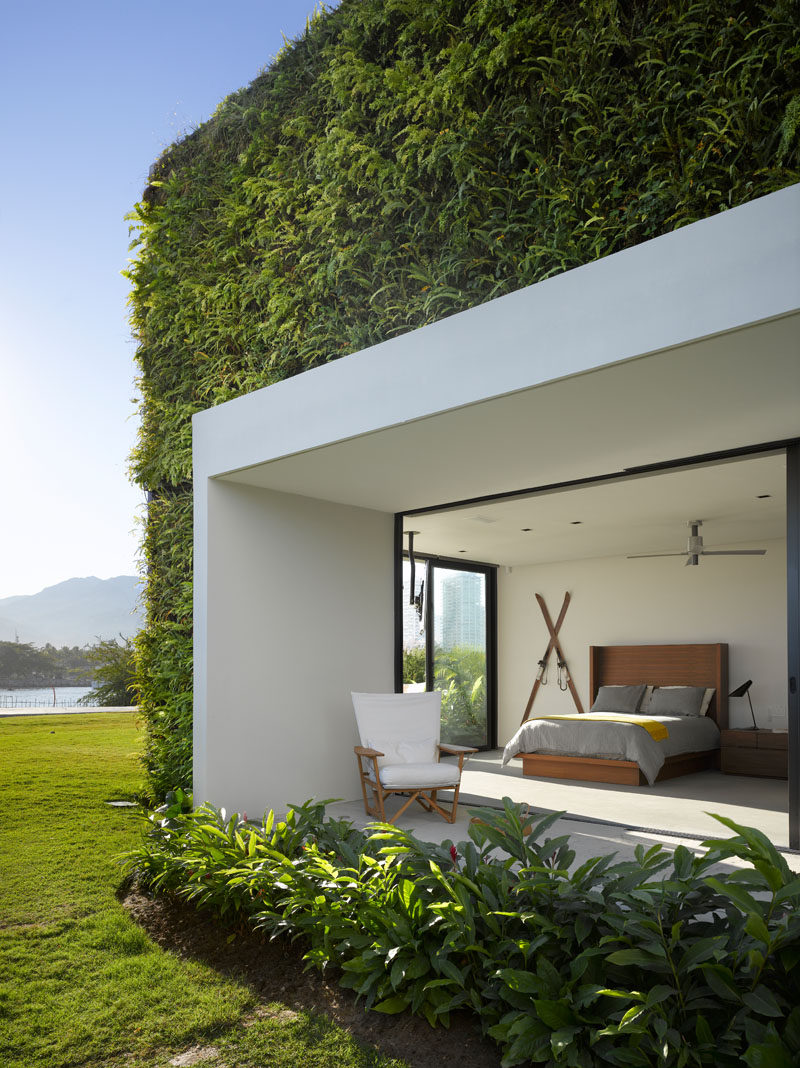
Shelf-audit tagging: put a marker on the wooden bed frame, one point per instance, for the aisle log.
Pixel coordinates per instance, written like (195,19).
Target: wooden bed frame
(660,665)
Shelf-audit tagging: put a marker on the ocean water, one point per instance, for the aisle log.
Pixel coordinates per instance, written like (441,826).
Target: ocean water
(65,697)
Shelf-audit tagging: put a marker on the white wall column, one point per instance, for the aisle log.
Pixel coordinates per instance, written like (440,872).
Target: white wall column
(295,602)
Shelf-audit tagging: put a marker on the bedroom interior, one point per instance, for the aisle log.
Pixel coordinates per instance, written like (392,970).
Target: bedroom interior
(590,541)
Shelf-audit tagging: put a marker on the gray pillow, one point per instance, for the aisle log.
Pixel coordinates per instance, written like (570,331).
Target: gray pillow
(676,701)
(625,699)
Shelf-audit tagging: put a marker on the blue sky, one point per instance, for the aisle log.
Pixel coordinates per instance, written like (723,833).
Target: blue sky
(92,92)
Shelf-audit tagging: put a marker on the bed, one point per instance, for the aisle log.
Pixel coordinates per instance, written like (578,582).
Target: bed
(623,752)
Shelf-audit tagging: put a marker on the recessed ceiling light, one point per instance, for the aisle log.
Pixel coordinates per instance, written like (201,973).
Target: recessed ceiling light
(763,496)
(462,550)
(576,522)
(526,530)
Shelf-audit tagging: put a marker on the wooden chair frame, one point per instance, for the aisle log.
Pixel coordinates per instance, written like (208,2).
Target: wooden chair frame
(424,795)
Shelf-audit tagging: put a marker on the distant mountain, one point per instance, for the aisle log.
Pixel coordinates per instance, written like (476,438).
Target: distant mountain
(75,612)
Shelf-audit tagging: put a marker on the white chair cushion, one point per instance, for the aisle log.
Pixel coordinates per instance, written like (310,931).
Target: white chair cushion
(401,776)
(404,751)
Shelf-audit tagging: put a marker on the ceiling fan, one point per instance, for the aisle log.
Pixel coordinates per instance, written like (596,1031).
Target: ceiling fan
(694,548)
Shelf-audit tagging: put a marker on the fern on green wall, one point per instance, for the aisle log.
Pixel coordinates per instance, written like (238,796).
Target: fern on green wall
(405,160)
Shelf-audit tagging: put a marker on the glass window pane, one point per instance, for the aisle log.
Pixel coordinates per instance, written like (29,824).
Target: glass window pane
(413,628)
(459,654)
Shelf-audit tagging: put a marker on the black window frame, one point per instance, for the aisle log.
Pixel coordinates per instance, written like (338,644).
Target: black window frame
(489,571)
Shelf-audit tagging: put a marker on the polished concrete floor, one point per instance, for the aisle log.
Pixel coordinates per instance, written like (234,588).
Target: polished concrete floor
(681,804)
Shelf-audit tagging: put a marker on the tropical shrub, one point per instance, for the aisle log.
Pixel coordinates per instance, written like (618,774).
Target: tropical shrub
(113,674)
(460,674)
(669,959)
(413,665)
(403,161)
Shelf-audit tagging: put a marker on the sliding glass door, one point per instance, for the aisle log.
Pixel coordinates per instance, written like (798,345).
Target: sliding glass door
(449,644)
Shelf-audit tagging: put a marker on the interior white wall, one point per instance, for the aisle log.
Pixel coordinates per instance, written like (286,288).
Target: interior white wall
(615,601)
(297,613)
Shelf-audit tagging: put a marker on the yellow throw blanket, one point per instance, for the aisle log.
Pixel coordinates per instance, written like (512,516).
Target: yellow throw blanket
(656,730)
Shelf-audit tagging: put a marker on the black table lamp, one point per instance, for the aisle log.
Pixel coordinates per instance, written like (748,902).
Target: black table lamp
(740,691)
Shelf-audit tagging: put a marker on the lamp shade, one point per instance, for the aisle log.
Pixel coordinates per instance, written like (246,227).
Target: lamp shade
(740,691)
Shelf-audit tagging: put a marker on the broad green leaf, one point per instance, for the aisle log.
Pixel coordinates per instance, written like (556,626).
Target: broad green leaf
(737,894)
(762,1001)
(756,927)
(704,1033)
(524,982)
(659,993)
(683,860)
(722,982)
(699,952)
(769,1053)
(639,957)
(392,1005)
(556,1014)
(562,1039)
(789,892)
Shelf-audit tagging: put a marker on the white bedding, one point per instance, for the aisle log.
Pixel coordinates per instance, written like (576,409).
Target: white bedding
(593,736)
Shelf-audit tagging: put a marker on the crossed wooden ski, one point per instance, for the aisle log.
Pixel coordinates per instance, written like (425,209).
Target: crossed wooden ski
(552,644)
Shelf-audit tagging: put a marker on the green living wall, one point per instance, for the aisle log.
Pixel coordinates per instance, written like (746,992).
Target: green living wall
(404,160)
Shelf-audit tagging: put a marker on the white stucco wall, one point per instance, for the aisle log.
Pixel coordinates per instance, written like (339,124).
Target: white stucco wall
(741,601)
(296,613)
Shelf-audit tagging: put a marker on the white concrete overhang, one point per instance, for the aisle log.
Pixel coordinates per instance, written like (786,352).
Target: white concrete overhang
(685,345)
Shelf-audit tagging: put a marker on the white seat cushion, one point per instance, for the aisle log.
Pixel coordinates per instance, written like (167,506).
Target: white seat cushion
(401,776)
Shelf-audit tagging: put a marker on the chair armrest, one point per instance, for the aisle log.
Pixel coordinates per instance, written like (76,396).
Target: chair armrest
(459,751)
(361,750)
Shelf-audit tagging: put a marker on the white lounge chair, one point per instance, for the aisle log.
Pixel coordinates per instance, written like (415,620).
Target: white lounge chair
(400,753)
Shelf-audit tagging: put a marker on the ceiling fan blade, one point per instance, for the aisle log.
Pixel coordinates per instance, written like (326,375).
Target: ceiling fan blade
(650,556)
(734,552)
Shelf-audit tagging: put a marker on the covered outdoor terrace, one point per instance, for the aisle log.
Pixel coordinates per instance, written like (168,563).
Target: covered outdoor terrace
(677,355)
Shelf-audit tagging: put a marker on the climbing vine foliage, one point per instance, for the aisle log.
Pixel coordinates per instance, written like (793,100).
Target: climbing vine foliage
(399,162)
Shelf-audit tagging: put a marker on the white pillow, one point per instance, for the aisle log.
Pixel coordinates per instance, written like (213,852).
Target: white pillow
(421,752)
(404,752)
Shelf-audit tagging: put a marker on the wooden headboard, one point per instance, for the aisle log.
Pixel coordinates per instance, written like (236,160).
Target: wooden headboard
(664,665)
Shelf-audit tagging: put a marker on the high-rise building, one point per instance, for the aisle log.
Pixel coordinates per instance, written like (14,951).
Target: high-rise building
(463,611)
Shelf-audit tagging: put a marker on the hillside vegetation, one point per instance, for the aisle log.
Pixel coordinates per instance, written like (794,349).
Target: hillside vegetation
(404,160)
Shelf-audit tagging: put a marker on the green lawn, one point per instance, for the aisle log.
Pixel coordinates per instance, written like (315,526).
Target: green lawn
(80,983)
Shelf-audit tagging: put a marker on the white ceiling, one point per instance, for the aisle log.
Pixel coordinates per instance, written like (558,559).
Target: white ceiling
(634,515)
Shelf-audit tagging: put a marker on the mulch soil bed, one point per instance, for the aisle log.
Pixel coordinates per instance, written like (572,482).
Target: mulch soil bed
(274,972)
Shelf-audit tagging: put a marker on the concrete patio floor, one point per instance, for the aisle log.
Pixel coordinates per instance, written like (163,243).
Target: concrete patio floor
(602,818)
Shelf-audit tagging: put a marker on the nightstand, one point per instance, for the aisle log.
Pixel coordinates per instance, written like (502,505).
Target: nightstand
(758,752)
